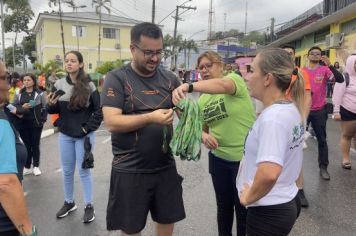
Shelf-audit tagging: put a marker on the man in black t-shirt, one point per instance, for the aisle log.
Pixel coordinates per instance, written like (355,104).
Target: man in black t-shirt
(137,107)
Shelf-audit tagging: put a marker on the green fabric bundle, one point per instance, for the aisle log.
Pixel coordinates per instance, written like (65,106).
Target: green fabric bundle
(186,140)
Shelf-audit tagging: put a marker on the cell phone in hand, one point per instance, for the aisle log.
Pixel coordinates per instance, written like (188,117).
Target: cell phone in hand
(11,107)
(32,103)
(58,93)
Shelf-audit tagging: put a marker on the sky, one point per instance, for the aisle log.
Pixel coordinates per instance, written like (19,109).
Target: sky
(194,23)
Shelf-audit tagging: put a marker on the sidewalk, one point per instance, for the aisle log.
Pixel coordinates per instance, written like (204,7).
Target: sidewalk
(48,129)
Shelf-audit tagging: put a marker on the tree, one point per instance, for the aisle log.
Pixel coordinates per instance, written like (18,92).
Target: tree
(98,5)
(108,66)
(167,46)
(191,45)
(29,43)
(17,21)
(9,56)
(49,67)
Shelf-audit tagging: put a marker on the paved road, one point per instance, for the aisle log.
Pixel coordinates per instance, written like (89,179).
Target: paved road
(331,212)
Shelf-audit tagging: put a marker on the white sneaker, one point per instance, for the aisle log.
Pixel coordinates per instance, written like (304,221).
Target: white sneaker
(36,171)
(306,135)
(305,146)
(27,171)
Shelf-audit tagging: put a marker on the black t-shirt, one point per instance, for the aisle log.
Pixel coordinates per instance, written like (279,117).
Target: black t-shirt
(140,151)
(25,98)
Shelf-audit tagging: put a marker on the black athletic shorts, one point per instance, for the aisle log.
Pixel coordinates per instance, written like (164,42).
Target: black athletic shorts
(133,195)
(347,115)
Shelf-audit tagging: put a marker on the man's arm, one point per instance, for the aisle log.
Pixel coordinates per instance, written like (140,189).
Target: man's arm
(115,121)
(338,76)
(307,103)
(13,201)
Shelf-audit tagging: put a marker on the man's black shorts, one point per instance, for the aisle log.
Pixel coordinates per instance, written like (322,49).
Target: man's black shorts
(133,195)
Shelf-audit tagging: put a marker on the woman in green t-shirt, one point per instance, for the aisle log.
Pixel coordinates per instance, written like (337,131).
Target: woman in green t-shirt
(227,114)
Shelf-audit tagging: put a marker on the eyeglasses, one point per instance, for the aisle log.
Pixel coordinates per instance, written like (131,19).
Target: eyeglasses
(207,66)
(315,54)
(149,53)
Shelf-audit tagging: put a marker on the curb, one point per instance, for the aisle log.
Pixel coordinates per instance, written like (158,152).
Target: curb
(47,132)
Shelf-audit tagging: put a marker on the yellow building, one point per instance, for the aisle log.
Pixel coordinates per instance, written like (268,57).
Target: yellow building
(81,31)
(328,26)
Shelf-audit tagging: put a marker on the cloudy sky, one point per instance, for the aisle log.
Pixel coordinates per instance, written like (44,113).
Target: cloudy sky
(259,13)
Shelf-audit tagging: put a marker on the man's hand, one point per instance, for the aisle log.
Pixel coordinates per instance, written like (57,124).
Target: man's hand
(179,93)
(209,141)
(162,116)
(51,101)
(326,60)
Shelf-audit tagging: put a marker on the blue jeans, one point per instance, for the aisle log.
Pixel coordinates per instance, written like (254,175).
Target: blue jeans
(72,153)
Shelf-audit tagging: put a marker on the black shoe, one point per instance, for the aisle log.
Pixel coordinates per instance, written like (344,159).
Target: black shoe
(89,213)
(66,209)
(303,200)
(324,174)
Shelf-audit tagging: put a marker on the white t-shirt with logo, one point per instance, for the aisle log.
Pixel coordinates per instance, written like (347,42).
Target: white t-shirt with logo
(277,137)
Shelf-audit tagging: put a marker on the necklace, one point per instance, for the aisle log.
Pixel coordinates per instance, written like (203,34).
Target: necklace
(282,102)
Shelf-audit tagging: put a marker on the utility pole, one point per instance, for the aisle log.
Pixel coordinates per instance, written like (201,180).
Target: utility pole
(224,22)
(210,21)
(153,10)
(174,61)
(246,19)
(272,28)
(2,31)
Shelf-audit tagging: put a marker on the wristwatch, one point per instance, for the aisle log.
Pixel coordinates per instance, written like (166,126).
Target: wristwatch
(190,87)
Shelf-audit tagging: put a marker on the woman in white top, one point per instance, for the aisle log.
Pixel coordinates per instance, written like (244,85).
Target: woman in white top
(274,146)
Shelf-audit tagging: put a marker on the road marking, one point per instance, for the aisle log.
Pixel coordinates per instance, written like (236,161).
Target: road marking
(106,140)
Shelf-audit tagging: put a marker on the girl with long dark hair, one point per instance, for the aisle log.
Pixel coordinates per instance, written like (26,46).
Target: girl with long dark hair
(79,116)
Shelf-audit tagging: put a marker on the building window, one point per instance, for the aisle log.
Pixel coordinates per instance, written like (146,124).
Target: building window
(298,43)
(110,33)
(78,31)
(349,27)
(319,36)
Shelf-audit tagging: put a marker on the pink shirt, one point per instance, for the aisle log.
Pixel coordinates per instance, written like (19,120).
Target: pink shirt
(318,82)
(346,96)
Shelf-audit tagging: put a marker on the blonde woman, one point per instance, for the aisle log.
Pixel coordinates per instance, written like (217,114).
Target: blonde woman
(273,151)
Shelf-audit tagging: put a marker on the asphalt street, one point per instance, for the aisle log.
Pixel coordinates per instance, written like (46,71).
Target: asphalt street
(331,212)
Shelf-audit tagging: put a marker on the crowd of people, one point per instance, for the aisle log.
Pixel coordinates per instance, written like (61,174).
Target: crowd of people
(255,158)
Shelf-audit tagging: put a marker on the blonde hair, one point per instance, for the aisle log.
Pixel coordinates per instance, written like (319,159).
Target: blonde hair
(281,65)
(214,57)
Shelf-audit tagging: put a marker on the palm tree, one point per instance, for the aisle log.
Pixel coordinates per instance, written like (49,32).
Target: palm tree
(98,5)
(54,2)
(167,46)
(191,45)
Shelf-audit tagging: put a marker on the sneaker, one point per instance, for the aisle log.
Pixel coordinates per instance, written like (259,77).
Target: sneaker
(36,171)
(305,146)
(324,174)
(66,209)
(89,213)
(303,200)
(27,171)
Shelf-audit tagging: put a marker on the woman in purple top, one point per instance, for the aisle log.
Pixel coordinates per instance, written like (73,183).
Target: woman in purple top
(344,98)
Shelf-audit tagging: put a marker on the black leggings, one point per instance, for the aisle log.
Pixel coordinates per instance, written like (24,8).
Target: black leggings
(223,174)
(31,137)
(274,220)
(10,233)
